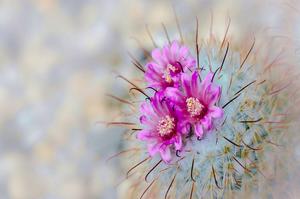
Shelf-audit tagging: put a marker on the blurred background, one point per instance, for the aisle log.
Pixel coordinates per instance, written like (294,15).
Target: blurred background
(57,60)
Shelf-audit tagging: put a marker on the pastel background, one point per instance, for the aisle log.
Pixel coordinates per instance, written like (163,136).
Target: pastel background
(57,60)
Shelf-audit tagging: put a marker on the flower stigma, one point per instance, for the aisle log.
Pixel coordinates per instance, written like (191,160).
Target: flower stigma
(194,106)
(166,126)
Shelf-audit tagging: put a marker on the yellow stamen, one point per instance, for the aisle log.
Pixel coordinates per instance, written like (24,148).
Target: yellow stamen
(172,68)
(194,106)
(167,74)
(166,126)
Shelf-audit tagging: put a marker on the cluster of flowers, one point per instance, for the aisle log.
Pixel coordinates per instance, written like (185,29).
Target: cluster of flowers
(183,104)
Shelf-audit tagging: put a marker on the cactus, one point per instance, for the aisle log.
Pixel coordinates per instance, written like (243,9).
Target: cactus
(207,120)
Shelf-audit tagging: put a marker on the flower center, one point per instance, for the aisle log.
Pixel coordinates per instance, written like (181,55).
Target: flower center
(167,75)
(194,107)
(166,126)
(172,68)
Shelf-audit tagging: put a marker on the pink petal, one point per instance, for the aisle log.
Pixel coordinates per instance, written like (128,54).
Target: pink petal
(153,75)
(195,83)
(158,107)
(156,55)
(174,95)
(186,80)
(146,108)
(144,135)
(176,80)
(216,112)
(165,154)
(212,94)
(183,127)
(208,78)
(153,148)
(167,55)
(174,49)
(183,52)
(155,67)
(199,130)
(190,62)
(206,122)
(143,119)
(148,111)
(178,142)
(206,82)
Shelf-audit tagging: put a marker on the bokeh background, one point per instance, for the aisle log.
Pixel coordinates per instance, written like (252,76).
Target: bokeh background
(58,58)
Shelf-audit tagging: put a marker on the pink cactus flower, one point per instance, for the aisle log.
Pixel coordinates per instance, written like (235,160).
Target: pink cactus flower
(161,130)
(167,65)
(197,102)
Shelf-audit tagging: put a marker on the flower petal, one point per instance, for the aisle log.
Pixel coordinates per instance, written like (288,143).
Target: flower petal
(216,112)
(199,130)
(165,154)
(206,122)
(183,52)
(167,55)
(157,56)
(186,83)
(144,135)
(160,108)
(178,142)
(174,95)
(195,83)
(153,75)
(174,49)
(149,117)
(183,127)
(143,119)
(205,83)
(212,94)
(153,148)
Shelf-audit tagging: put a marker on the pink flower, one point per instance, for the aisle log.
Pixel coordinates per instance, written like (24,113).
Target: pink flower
(167,65)
(161,129)
(197,101)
